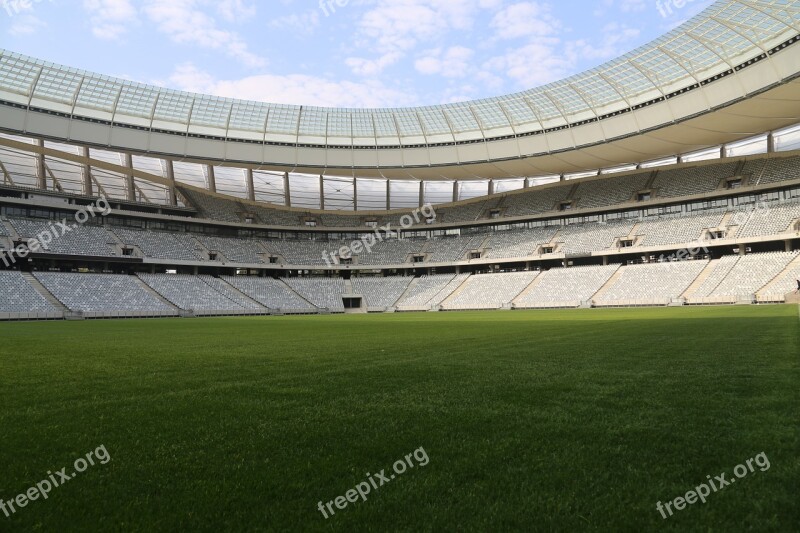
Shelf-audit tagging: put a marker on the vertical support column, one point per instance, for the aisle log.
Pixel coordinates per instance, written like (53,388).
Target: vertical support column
(388,194)
(680,159)
(173,199)
(787,245)
(321,192)
(41,174)
(421,193)
(455,191)
(86,172)
(771,143)
(212,178)
(130,189)
(287,191)
(251,188)
(355,194)
(723,152)
(525,183)
(491,187)
(562,177)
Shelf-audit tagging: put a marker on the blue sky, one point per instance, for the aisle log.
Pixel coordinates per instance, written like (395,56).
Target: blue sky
(346,53)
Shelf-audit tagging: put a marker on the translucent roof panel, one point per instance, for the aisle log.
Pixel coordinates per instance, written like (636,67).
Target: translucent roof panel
(727,33)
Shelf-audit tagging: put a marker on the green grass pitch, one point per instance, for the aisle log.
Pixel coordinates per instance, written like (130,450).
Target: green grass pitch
(532,420)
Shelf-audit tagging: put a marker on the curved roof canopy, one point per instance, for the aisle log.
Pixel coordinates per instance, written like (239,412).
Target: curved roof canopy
(724,35)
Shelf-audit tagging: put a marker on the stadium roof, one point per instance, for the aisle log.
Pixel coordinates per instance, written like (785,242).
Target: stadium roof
(720,41)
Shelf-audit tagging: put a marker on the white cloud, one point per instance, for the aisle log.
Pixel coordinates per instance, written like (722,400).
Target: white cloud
(525,19)
(534,64)
(455,62)
(305,22)
(293,89)
(110,19)
(236,10)
(26,25)
(185,23)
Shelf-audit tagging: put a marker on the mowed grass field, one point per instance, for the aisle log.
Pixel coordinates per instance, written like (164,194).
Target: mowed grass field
(531,420)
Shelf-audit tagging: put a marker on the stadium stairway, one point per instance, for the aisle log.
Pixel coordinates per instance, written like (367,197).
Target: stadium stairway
(458,290)
(529,288)
(147,288)
(698,281)
(290,289)
(608,284)
(236,292)
(410,287)
(47,295)
(766,289)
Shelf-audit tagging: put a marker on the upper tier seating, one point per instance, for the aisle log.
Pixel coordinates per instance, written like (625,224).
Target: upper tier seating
(19,296)
(213,207)
(381,292)
(82,239)
(449,249)
(235,250)
(535,201)
(585,238)
(509,244)
(678,230)
(160,244)
(773,170)
(653,282)
(566,287)
(692,180)
(490,291)
(597,193)
(766,220)
(269,292)
(101,293)
(325,293)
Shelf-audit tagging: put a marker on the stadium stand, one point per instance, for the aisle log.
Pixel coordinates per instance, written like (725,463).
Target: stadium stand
(597,193)
(231,293)
(430,291)
(585,238)
(693,180)
(566,287)
(509,244)
(109,294)
(270,293)
(19,296)
(325,293)
(160,244)
(767,220)
(676,230)
(190,293)
(489,291)
(235,250)
(213,207)
(381,293)
(651,284)
(81,239)
(752,272)
(449,249)
(536,201)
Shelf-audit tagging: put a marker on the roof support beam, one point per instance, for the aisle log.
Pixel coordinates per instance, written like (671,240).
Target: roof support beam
(355,194)
(455,191)
(771,143)
(287,192)
(130,185)
(212,178)
(41,173)
(421,193)
(321,192)
(251,189)
(388,194)
(86,172)
(173,199)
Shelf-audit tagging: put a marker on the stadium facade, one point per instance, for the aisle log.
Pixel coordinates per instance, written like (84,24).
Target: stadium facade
(668,176)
